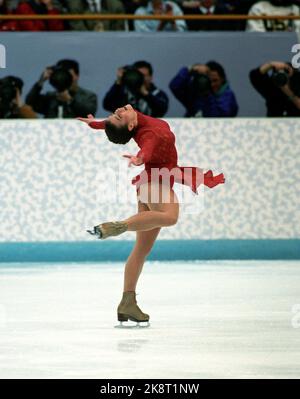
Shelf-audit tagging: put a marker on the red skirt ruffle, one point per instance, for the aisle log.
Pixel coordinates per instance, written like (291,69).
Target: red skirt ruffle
(189,176)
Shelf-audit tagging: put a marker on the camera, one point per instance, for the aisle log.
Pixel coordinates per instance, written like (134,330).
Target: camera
(200,84)
(8,94)
(280,77)
(132,79)
(61,79)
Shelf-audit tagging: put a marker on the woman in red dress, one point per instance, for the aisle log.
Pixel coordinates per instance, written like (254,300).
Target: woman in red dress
(157,202)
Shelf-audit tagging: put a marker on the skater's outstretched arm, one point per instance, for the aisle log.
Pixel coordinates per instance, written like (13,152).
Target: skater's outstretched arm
(92,122)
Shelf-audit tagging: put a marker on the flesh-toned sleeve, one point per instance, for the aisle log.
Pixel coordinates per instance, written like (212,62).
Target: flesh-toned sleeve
(147,144)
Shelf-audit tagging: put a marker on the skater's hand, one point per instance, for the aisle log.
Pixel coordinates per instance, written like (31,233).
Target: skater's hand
(133,160)
(90,118)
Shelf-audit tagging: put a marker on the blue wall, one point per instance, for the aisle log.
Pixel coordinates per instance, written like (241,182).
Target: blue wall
(100,54)
(164,250)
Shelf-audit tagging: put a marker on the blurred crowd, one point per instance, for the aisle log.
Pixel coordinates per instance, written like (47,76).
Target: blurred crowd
(202,88)
(150,7)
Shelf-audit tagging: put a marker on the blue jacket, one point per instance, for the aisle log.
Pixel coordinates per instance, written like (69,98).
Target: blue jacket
(220,104)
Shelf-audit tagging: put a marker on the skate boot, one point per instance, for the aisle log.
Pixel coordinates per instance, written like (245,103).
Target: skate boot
(108,229)
(129,310)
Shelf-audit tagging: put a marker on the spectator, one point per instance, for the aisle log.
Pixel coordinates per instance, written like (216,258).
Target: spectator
(279,84)
(96,7)
(68,100)
(273,7)
(134,85)
(205,7)
(130,8)
(11,104)
(38,7)
(6,25)
(159,7)
(132,5)
(204,91)
(240,7)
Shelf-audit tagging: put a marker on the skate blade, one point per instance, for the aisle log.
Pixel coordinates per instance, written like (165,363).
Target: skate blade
(136,325)
(92,233)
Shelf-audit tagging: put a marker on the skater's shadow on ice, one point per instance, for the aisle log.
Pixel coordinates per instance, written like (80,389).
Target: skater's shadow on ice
(131,345)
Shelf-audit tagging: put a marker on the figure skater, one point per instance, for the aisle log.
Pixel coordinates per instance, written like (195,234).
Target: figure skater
(158,205)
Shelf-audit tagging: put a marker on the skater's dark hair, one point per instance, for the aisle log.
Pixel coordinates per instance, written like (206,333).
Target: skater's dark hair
(118,134)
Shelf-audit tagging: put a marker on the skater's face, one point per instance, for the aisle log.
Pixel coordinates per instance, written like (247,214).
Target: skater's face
(125,116)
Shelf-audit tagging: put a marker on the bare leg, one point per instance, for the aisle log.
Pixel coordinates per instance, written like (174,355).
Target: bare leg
(135,262)
(161,214)
(146,223)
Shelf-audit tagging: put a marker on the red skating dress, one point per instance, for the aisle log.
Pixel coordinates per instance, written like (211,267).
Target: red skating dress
(158,151)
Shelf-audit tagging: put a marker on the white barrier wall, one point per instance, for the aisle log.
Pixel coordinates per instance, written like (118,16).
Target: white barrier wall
(58,177)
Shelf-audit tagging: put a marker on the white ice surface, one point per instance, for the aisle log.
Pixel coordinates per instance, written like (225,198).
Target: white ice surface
(225,319)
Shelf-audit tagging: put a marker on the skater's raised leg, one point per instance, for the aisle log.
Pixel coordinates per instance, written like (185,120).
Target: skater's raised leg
(163,208)
(162,213)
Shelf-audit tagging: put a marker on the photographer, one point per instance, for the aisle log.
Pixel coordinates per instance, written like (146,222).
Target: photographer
(11,104)
(68,100)
(134,86)
(279,84)
(204,91)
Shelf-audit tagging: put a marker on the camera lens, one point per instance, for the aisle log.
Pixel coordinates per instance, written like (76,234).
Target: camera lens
(133,79)
(280,78)
(200,84)
(61,79)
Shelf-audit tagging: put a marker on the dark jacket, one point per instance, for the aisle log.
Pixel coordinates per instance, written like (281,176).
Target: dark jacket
(206,25)
(155,104)
(277,103)
(84,102)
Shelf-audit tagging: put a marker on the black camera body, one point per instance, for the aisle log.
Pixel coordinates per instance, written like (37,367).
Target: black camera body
(280,77)
(132,79)
(61,78)
(200,84)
